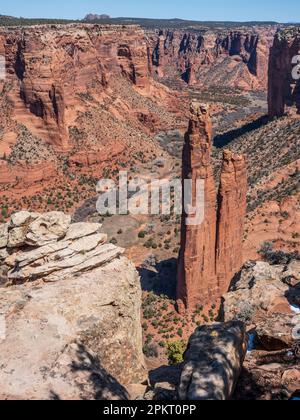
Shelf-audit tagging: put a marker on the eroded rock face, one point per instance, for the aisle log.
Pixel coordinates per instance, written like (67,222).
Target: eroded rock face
(201,57)
(211,250)
(213,362)
(284,88)
(72,313)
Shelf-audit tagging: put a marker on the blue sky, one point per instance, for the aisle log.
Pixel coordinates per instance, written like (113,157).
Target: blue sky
(235,10)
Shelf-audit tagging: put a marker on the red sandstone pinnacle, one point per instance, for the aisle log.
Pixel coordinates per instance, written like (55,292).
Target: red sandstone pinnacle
(196,271)
(232,208)
(211,252)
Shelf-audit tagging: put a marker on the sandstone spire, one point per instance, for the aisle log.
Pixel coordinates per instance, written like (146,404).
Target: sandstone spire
(231,217)
(211,252)
(196,272)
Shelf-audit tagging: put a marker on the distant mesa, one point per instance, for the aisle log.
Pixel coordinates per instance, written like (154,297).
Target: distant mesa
(92,17)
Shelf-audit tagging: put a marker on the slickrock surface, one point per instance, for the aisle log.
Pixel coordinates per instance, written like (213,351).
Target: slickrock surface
(284,89)
(211,251)
(213,362)
(202,57)
(71,308)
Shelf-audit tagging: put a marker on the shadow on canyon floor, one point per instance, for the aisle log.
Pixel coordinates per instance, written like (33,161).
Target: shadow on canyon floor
(224,139)
(160,278)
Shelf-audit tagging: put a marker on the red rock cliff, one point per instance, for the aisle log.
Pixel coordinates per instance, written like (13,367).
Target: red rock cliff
(284,89)
(48,67)
(232,58)
(211,252)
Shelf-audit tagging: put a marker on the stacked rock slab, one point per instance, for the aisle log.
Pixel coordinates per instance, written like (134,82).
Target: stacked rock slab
(70,311)
(211,251)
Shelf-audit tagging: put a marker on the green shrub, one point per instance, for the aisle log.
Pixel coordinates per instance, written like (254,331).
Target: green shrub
(176,351)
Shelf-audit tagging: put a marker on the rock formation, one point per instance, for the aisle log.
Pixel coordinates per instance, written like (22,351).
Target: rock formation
(196,271)
(91,17)
(211,251)
(71,308)
(205,57)
(213,362)
(232,208)
(284,86)
(267,297)
(46,66)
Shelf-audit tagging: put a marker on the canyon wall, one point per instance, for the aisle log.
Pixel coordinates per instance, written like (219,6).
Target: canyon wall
(211,251)
(50,67)
(284,81)
(206,58)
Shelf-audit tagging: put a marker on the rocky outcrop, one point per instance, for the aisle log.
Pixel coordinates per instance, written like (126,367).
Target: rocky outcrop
(284,86)
(232,208)
(54,249)
(213,362)
(204,57)
(267,298)
(71,310)
(211,250)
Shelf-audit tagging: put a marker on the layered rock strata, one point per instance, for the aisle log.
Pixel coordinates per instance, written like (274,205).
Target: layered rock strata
(70,311)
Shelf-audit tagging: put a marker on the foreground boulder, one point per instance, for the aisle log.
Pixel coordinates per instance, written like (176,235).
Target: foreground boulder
(213,362)
(70,315)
